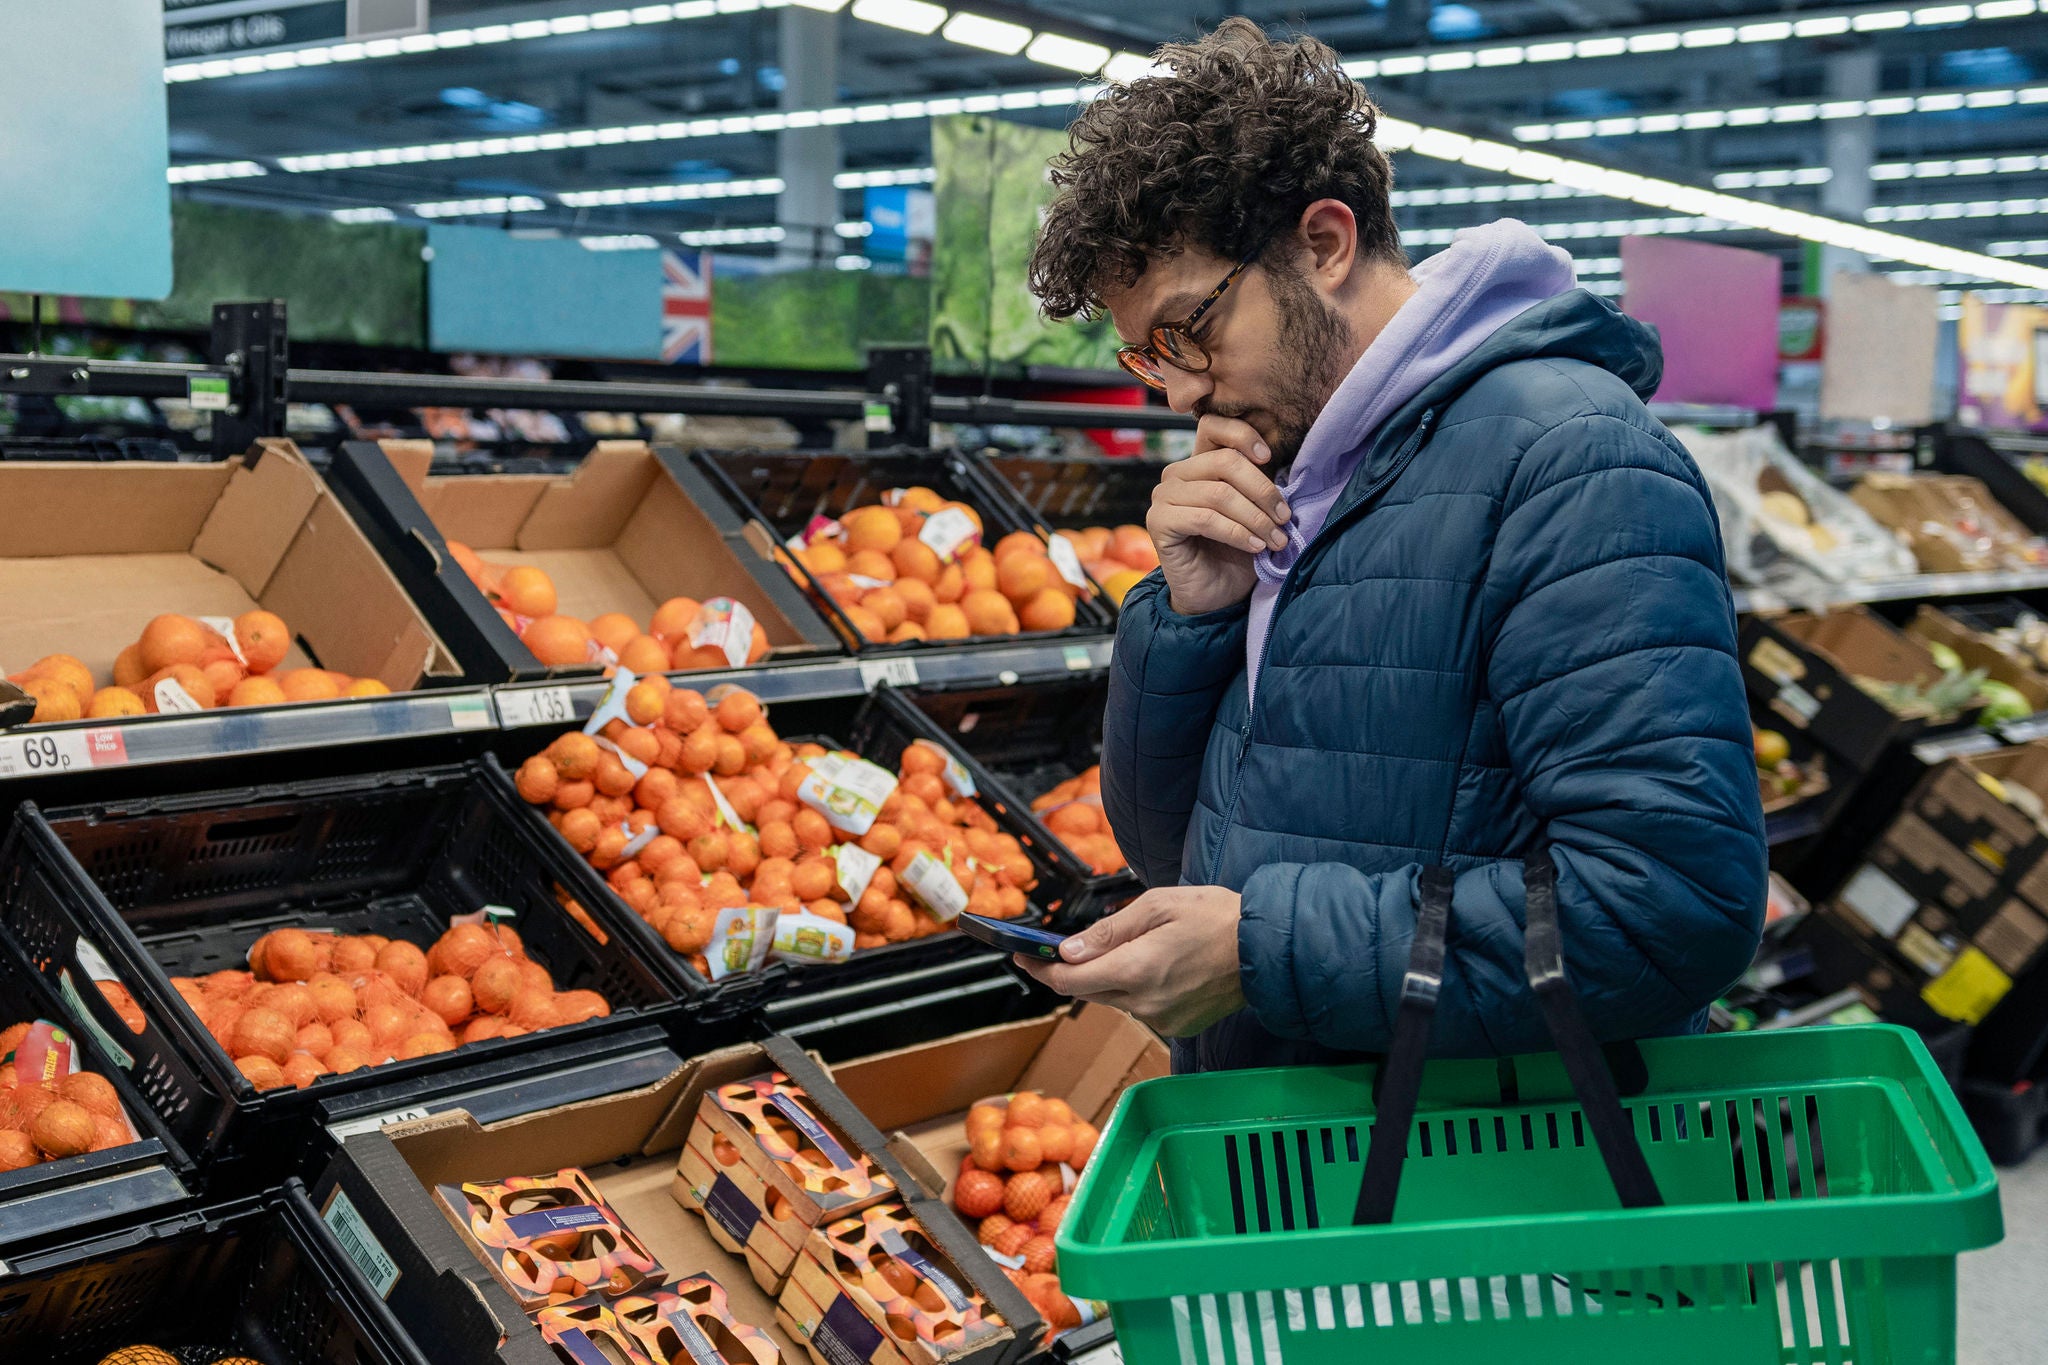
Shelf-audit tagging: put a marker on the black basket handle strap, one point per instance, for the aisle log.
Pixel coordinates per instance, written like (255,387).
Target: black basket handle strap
(1398,1085)
(1592,1081)
(1400,1080)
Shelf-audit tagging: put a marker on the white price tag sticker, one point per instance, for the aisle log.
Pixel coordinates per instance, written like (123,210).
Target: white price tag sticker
(958,780)
(171,699)
(856,868)
(224,626)
(613,707)
(933,883)
(93,960)
(1067,561)
(949,531)
(535,706)
(848,791)
(632,764)
(725,625)
(895,672)
(42,755)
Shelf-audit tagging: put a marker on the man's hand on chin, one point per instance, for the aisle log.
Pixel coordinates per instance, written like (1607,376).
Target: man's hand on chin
(1169,959)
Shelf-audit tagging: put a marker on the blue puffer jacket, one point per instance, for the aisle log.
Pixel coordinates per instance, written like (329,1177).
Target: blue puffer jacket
(1514,627)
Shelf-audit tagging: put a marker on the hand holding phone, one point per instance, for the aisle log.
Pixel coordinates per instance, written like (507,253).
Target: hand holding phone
(1012,938)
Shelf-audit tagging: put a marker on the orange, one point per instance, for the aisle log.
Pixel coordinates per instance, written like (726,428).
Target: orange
(672,619)
(841,588)
(223,674)
(256,692)
(1024,574)
(872,564)
(871,528)
(575,754)
(989,613)
(1121,582)
(264,638)
(558,640)
(366,687)
(307,684)
(915,559)
(186,676)
(115,701)
(950,586)
(757,644)
(1051,609)
(738,709)
(468,559)
(55,700)
(1134,547)
(129,668)
(866,622)
(888,607)
(67,670)
(909,630)
(978,569)
(614,630)
(172,639)
(1015,541)
(823,558)
(917,599)
(644,654)
(527,590)
(910,520)
(920,498)
(947,622)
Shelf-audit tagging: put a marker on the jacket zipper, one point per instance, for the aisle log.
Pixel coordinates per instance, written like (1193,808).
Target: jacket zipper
(1244,737)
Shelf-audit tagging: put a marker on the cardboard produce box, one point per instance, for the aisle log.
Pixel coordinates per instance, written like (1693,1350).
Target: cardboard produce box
(1803,668)
(377,1197)
(1950,521)
(1954,897)
(2000,662)
(91,552)
(872,1289)
(628,529)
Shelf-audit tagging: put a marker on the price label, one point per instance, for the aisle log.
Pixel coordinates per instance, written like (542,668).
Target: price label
(1077,659)
(949,532)
(535,706)
(224,626)
(1067,561)
(207,393)
(171,699)
(725,625)
(856,867)
(61,751)
(895,672)
(933,883)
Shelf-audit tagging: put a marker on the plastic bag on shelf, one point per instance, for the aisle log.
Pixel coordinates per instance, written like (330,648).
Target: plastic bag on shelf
(1785,528)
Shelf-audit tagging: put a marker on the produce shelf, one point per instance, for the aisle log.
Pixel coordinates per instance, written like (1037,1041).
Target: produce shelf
(1905,589)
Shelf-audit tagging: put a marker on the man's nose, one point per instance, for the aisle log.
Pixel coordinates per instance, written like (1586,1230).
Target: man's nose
(1185,389)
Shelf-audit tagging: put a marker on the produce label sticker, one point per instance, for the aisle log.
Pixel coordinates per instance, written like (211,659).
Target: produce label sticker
(725,811)
(893,1242)
(224,626)
(173,699)
(856,868)
(207,392)
(613,705)
(724,625)
(632,764)
(1968,989)
(65,987)
(733,1210)
(570,1218)
(469,713)
(695,1343)
(844,1335)
(92,960)
(958,780)
(361,1244)
(933,883)
(846,790)
(949,532)
(812,938)
(535,706)
(741,939)
(867,584)
(61,751)
(807,1124)
(1064,558)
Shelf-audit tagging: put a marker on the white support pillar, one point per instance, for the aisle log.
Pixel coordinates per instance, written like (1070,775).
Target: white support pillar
(808,158)
(1851,146)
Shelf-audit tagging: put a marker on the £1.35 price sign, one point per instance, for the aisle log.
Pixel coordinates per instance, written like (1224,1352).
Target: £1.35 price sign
(61,751)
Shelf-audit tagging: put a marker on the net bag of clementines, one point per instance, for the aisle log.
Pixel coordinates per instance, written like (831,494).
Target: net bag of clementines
(1794,1195)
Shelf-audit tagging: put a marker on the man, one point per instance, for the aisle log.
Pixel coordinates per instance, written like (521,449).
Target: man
(1434,589)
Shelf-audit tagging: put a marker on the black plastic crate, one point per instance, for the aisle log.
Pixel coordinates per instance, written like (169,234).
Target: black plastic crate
(1019,743)
(183,885)
(784,490)
(877,728)
(58,1199)
(2011,1120)
(255,1278)
(1071,493)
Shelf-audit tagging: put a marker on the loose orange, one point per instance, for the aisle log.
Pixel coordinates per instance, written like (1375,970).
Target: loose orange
(614,630)
(1119,584)
(823,558)
(672,619)
(307,684)
(1133,546)
(947,622)
(872,564)
(978,569)
(737,710)
(989,613)
(527,590)
(906,632)
(129,669)
(470,562)
(866,622)
(264,638)
(1015,541)
(366,687)
(919,498)
(55,699)
(575,755)
(67,670)
(172,639)
(559,641)
(644,654)
(223,674)
(918,600)
(115,701)
(1051,609)
(1024,574)
(915,559)
(871,528)
(888,607)
(951,585)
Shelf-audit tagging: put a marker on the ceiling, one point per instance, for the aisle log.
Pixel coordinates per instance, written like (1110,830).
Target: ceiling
(1961,144)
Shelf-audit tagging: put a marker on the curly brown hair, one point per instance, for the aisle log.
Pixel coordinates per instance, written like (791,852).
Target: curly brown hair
(1243,136)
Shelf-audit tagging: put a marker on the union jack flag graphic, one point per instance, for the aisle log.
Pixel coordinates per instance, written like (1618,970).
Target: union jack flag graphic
(686,307)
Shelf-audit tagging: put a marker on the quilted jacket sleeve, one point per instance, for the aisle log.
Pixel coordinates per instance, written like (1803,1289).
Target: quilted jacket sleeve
(1612,662)
(1167,676)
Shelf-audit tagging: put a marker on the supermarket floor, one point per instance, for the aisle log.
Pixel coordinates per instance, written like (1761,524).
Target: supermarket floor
(2003,1311)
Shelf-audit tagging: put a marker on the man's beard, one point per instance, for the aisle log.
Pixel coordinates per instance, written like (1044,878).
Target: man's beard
(1315,346)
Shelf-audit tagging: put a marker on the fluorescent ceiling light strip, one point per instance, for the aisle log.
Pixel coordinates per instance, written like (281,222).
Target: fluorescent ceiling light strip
(860,180)
(912,16)
(463,208)
(667,194)
(1933,102)
(1767,178)
(624,241)
(213,170)
(364,215)
(2037,246)
(178,73)
(1976,208)
(990,35)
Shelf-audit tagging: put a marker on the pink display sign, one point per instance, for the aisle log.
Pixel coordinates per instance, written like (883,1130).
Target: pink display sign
(1716,310)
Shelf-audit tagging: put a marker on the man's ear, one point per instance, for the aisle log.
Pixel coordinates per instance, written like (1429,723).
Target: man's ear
(1330,232)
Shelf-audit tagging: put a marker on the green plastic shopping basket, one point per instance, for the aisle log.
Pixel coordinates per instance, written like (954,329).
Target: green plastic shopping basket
(1792,1197)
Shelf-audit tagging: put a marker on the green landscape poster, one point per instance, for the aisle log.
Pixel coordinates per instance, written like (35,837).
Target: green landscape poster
(991,190)
(814,319)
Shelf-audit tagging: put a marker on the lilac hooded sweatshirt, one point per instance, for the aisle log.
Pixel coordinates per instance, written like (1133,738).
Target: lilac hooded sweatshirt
(1468,291)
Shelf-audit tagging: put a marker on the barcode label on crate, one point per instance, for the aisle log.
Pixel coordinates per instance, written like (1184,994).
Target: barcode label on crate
(93,960)
(469,713)
(895,672)
(343,1131)
(61,751)
(122,1057)
(361,1245)
(535,706)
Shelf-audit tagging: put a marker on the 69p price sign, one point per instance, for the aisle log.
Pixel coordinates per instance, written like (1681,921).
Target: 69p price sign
(60,751)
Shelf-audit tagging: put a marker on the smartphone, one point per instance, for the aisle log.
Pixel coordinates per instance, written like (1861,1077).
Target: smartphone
(1012,938)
